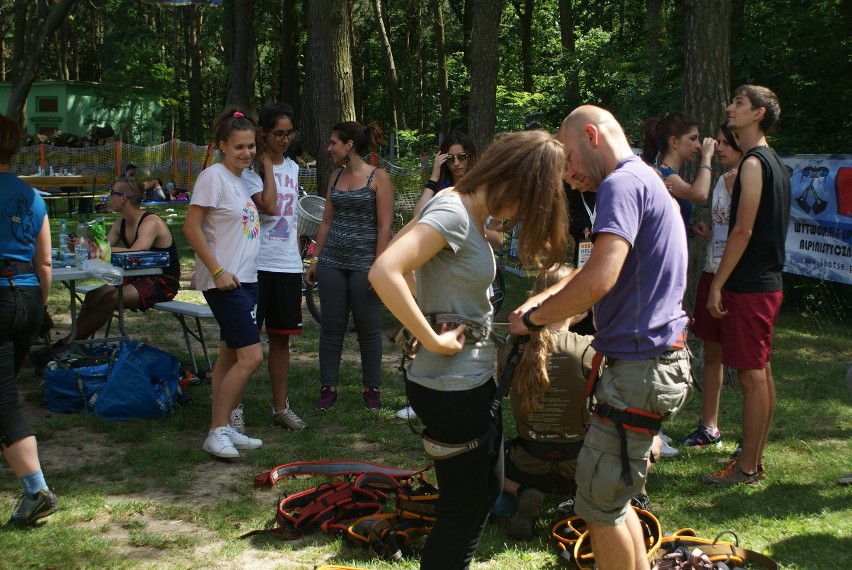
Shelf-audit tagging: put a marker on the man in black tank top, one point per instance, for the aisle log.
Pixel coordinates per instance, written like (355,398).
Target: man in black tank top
(746,291)
(135,230)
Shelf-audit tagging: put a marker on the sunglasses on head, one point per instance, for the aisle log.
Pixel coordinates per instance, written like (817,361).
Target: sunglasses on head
(461,157)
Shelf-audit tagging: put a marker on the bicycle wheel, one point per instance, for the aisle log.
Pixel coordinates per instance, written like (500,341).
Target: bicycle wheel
(498,290)
(312,300)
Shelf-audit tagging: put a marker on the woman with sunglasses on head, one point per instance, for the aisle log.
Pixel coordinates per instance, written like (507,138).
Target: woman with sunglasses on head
(222,227)
(135,230)
(275,191)
(456,156)
(450,383)
(704,325)
(355,229)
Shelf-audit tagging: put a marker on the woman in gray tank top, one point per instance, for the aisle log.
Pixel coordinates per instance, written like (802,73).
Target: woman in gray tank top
(355,229)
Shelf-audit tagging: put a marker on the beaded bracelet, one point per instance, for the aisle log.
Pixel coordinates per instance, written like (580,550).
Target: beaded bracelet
(218,273)
(707,166)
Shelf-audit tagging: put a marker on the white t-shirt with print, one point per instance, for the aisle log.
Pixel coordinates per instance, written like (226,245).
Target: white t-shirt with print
(720,214)
(231,228)
(279,239)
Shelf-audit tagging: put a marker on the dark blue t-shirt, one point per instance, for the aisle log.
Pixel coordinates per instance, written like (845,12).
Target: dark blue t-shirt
(642,316)
(685,205)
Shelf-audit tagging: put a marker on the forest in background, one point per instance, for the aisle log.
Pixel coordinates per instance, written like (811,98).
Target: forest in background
(413,65)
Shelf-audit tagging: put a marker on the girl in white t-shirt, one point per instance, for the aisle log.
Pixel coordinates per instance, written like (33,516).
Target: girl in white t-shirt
(223,228)
(275,191)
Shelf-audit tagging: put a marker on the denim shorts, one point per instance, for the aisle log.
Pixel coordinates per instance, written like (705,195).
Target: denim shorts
(660,385)
(236,313)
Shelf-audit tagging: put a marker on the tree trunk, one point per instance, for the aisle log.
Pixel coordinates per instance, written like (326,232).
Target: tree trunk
(483,76)
(656,30)
(196,129)
(443,86)
(289,57)
(397,111)
(329,96)
(26,62)
(421,72)
(526,16)
(239,29)
(569,51)
(706,79)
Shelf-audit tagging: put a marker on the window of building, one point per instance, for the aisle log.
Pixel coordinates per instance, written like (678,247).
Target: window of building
(47,131)
(47,104)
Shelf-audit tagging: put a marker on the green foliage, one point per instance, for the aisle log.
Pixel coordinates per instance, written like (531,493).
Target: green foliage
(803,54)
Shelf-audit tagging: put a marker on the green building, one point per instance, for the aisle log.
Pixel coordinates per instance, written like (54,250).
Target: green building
(75,107)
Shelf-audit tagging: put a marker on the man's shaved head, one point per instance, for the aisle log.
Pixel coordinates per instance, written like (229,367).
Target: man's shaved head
(594,143)
(602,119)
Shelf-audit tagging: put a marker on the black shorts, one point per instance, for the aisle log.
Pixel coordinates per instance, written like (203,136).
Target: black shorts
(279,302)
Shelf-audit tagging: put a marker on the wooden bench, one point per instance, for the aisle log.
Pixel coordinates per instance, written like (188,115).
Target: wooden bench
(181,310)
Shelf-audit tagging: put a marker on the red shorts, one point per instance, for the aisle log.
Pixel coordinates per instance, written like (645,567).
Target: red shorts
(704,325)
(154,289)
(747,328)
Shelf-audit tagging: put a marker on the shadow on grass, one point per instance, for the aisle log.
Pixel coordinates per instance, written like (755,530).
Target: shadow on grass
(821,550)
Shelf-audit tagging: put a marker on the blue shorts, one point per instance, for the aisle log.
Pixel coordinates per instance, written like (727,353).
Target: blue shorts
(236,313)
(279,304)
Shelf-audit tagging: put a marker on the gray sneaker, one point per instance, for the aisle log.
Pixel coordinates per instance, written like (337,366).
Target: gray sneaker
(28,511)
(530,504)
(287,419)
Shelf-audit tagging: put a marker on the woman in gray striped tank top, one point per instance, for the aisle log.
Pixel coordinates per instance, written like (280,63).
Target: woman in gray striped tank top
(355,229)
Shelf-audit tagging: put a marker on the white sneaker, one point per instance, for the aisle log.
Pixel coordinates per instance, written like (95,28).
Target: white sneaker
(237,422)
(241,441)
(219,444)
(287,418)
(406,413)
(665,438)
(667,450)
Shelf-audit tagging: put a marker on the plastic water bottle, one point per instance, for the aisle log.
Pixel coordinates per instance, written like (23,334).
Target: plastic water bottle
(52,173)
(81,247)
(63,241)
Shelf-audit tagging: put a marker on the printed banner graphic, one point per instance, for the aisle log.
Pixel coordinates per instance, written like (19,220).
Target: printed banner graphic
(819,239)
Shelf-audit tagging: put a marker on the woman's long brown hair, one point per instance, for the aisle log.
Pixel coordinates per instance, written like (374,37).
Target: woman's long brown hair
(531,377)
(524,170)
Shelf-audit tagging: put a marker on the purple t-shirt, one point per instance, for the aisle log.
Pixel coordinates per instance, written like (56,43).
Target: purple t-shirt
(642,316)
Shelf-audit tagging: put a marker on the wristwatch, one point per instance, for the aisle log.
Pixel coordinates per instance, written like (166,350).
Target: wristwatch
(532,327)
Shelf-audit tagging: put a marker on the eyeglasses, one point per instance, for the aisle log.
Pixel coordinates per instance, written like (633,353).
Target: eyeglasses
(281,135)
(461,157)
(114,193)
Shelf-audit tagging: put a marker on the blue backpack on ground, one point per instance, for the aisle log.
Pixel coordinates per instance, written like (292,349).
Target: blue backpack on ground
(133,380)
(143,383)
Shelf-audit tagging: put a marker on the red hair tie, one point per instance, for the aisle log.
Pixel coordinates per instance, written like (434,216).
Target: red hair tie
(238,115)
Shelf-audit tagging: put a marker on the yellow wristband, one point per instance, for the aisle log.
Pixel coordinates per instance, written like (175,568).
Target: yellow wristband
(218,273)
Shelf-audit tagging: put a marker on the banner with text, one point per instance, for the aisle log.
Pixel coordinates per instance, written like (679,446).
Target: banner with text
(819,239)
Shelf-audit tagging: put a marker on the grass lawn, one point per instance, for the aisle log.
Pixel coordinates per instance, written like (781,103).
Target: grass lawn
(143,494)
